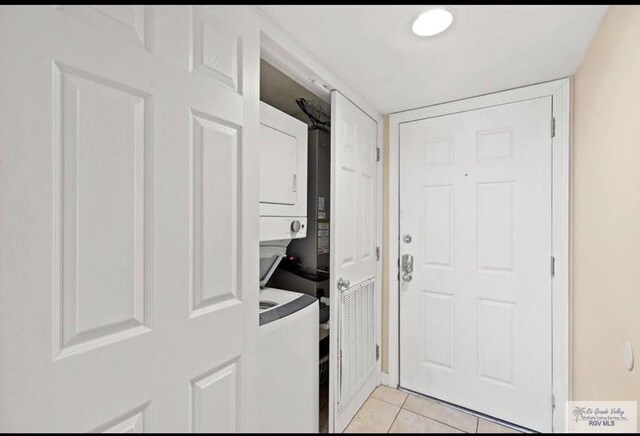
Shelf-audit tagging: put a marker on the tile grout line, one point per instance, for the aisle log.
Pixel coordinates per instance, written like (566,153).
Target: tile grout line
(441,404)
(440,422)
(395,417)
(405,400)
(399,410)
(389,402)
(437,420)
(356,414)
(478,415)
(420,414)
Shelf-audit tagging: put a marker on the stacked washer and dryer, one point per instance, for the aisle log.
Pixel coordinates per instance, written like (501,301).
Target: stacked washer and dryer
(288,333)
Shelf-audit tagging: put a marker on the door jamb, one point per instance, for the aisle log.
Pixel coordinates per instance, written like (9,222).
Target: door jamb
(289,56)
(560,91)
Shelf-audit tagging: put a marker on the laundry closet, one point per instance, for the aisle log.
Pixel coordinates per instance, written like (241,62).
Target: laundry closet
(295,183)
(319,250)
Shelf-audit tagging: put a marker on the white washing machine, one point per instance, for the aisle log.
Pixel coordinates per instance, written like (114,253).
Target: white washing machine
(288,362)
(288,334)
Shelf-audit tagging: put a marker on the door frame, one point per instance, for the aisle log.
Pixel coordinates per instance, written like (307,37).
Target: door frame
(560,91)
(290,57)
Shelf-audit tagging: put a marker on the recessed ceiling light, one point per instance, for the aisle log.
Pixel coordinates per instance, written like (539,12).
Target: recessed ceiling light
(432,22)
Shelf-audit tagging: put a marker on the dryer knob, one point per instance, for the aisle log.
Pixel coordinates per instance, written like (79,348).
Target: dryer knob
(295,226)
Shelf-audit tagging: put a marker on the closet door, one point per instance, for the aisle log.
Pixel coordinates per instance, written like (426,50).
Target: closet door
(353,258)
(129,217)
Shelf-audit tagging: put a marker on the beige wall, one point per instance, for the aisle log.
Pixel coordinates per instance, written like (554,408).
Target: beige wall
(606,211)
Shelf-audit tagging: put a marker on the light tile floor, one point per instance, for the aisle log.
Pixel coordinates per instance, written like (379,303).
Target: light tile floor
(389,410)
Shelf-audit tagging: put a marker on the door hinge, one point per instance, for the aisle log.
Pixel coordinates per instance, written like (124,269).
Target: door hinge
(377,154)
(553,402)
(553,127)
(377,253)
(377,352)
(553,266)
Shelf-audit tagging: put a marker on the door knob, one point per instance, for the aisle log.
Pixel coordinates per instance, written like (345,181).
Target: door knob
(406,277)
(343,284)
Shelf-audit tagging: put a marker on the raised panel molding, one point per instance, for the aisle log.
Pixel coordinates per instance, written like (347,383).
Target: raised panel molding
(215,188)
(495,144)
(214,397)
(135,421)
(367,148)
(438,151)
(496,348)
(365,226)
(349,215)
(130,23)
(496,209)
(350,135)
(437,219)
(438,328)
(216,50)
(103,203)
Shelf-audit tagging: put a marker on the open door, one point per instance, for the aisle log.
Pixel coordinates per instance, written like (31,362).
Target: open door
(353,260)
(129,256)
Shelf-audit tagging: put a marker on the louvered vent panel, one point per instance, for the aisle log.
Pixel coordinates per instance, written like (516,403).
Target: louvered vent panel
(357,338)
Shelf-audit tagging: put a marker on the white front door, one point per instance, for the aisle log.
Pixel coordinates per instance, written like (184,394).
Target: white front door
(353,259)
(475,313)
(129,217)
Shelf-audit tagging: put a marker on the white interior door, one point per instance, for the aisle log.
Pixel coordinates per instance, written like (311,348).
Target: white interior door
(353,259)
(129,217)
(475,318)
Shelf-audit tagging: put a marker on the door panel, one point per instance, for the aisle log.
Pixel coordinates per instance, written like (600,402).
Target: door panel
(215,186)
(128,23)
(475,320)
(214,397)
(353,259)
(119,261)
(103,189)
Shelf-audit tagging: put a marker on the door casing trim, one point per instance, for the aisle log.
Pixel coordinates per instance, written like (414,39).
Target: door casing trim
(560,91)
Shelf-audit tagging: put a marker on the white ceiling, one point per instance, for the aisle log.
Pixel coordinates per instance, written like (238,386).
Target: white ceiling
(487,49)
